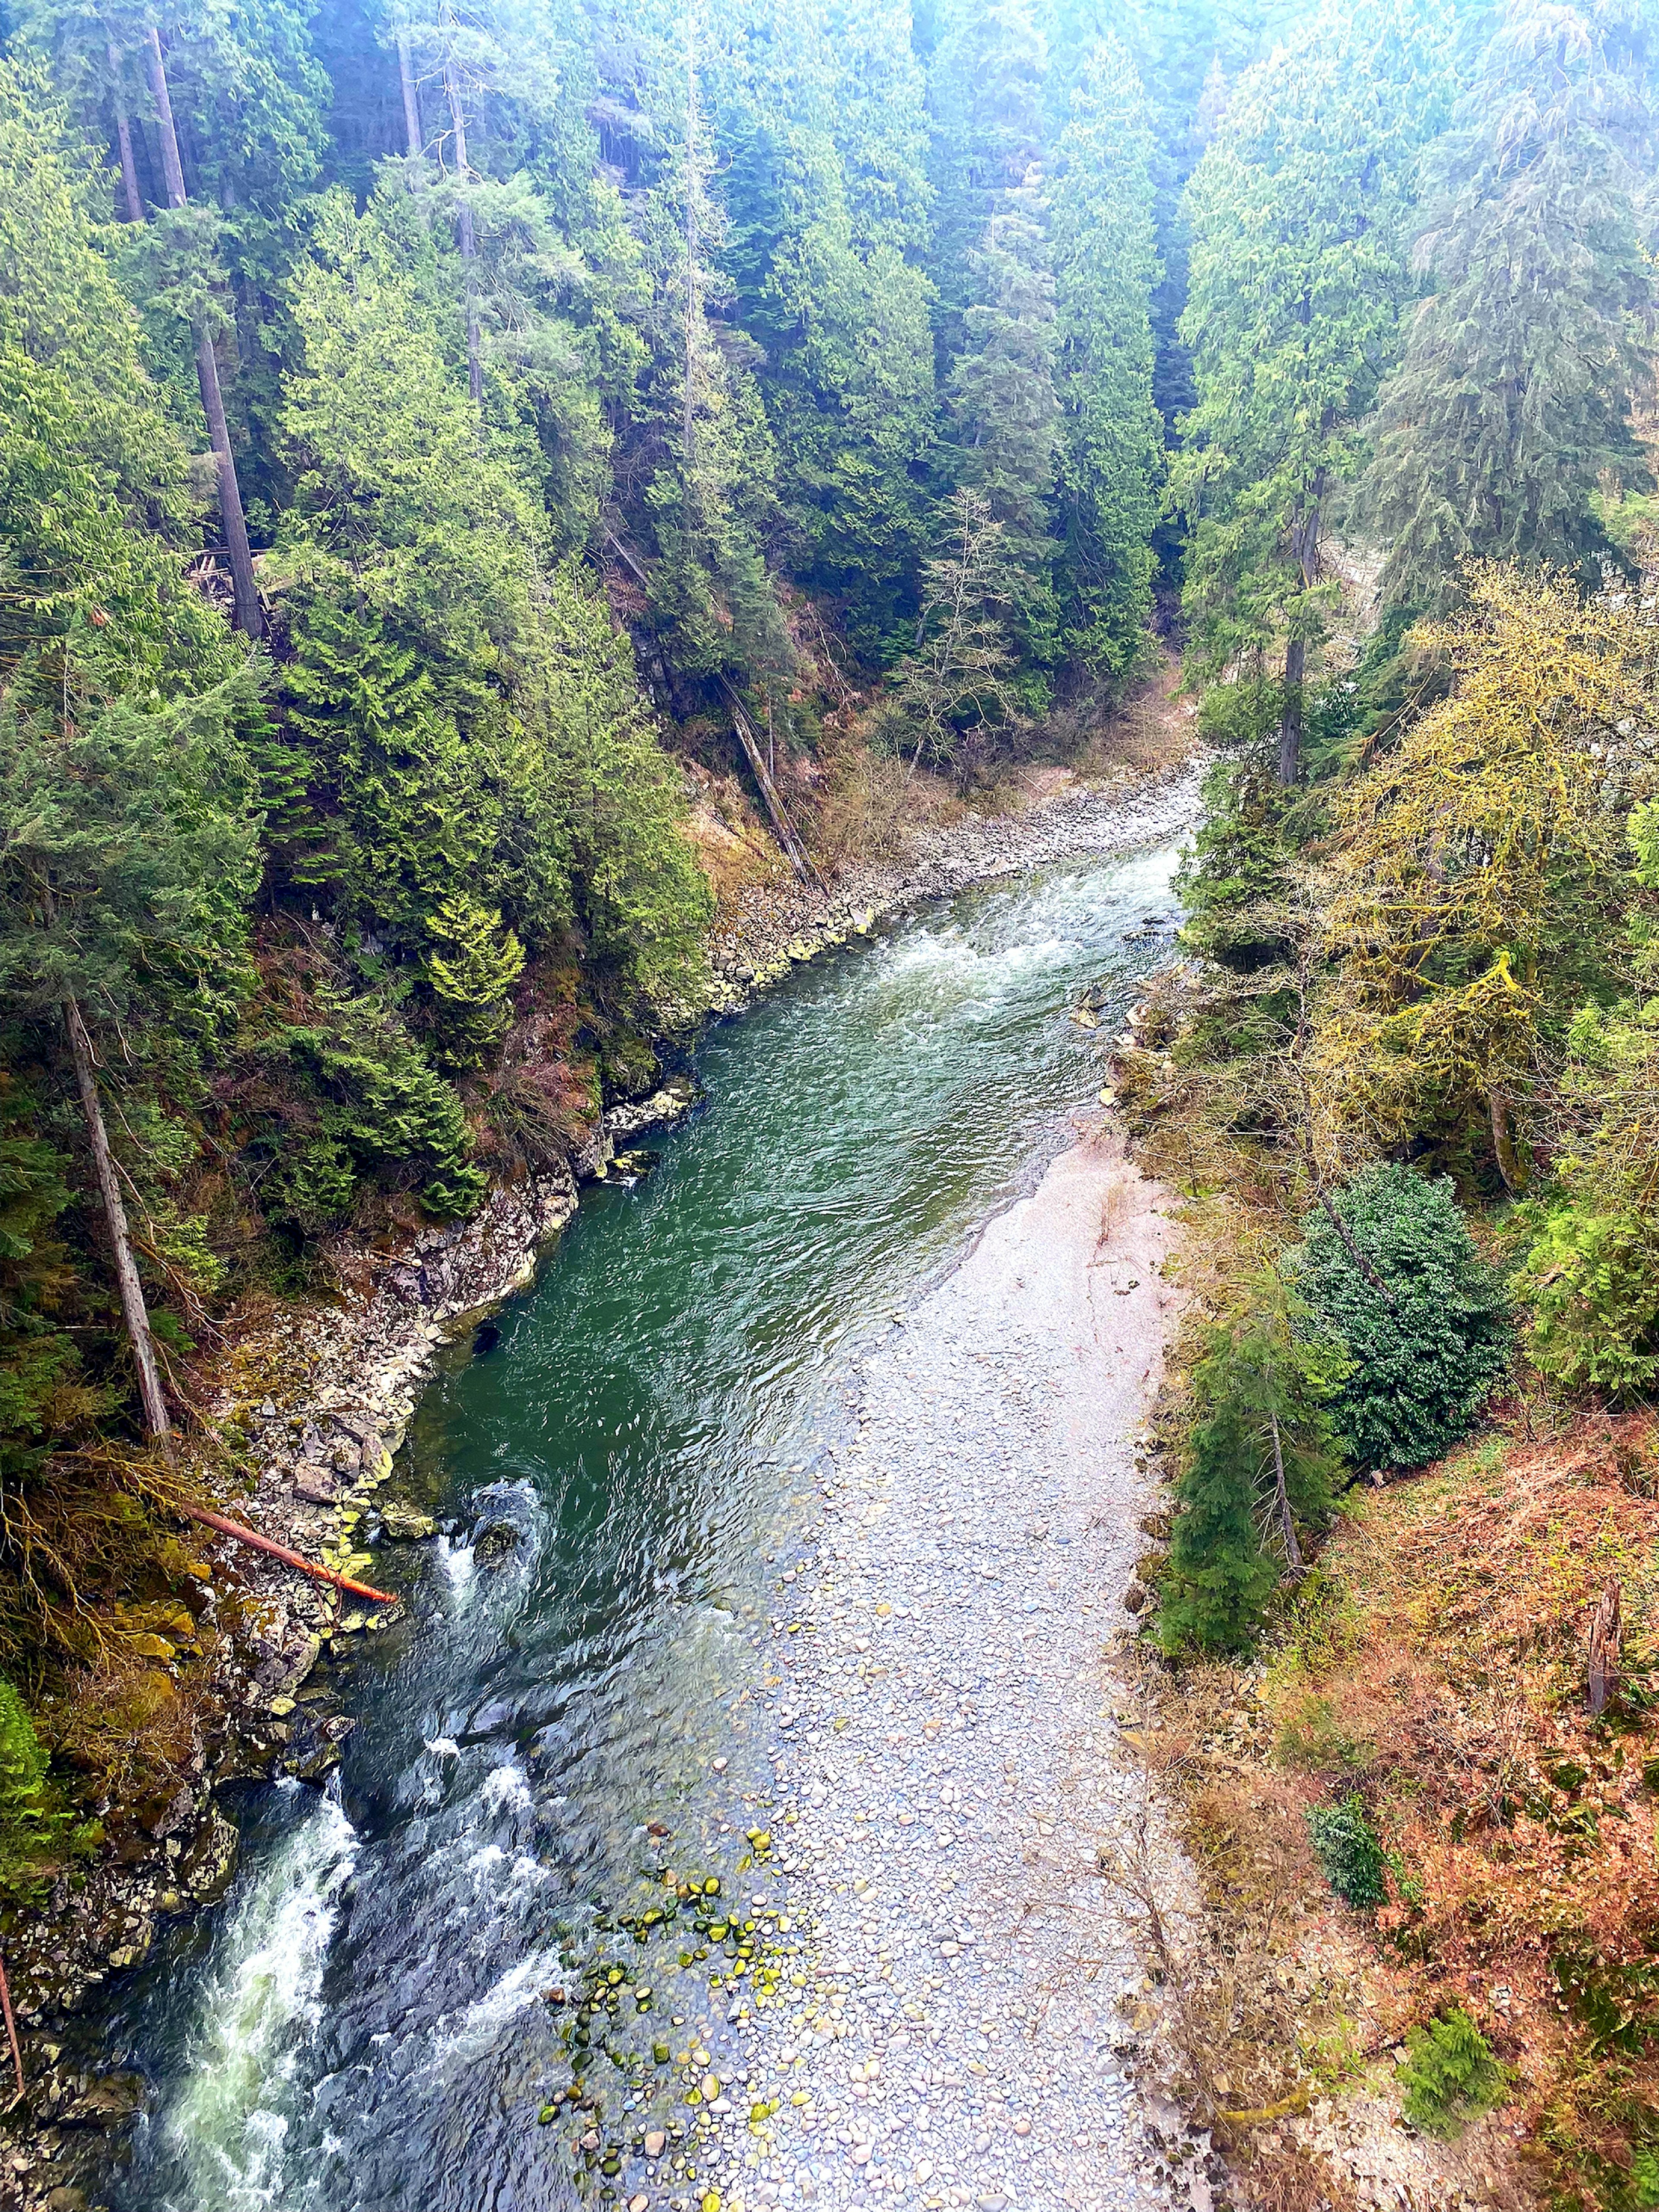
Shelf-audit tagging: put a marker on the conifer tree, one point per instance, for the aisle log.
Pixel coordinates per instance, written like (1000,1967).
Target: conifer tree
(1299,275)
(1514,393)
(1007,420)
(1105,270)
(985,85)
(472,970)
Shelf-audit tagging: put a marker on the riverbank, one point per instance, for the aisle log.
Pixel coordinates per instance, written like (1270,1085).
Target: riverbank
(315,1399)
(940,1719)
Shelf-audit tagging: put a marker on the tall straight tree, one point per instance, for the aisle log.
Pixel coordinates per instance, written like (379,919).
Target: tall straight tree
(1106,269)
(823,285)
(985,87)
(1515,391)
(1007,420)
(1299,271)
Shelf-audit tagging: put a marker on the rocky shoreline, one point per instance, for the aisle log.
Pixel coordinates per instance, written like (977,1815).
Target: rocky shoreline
(315,1403)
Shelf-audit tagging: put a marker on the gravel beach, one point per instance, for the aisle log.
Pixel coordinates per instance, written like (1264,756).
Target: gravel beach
(940,1723)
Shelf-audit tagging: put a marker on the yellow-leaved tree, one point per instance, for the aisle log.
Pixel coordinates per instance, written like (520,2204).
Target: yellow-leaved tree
(1479,878)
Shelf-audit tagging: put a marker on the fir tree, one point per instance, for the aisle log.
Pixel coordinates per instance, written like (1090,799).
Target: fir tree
(1513,395)
(1105,270)
(1006,420)
(470,971)
(1298,274)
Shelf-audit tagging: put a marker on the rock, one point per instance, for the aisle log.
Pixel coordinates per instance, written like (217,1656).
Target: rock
(314,1485)
(404,1525)
(655,2144)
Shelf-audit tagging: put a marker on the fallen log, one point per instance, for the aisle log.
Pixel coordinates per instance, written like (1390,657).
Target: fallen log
(229,1528)
(11,2031)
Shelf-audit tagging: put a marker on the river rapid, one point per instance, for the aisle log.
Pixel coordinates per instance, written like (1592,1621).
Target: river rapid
(619,1460)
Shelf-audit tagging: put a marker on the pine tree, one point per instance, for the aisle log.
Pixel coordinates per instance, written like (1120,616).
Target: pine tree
(1259,1466)
(1105,270)
(985,85)
(1298,274)
(848,388)
(470,971)
(1514,394)
(1006,420)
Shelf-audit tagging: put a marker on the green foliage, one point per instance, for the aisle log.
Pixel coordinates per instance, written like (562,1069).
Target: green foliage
(1350,1854)
(1424,1365)
(1298,273)
(1512,400)
(472,972)
(1590,1283)
(26,1821)
(1450,2076)
(1255,1386)
(1106,267)
(356,1106)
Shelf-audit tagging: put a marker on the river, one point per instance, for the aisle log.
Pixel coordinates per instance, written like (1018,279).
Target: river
(615,1459)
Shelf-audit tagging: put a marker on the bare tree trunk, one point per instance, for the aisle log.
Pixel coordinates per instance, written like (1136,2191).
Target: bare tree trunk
(123,140)
(1292,1549)
(414,142)
(134,1311)
(687,433)
(1290,727)
(1606,1626)
(466,237)
(250,614)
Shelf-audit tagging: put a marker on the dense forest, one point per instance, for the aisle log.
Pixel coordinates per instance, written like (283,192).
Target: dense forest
(432,439)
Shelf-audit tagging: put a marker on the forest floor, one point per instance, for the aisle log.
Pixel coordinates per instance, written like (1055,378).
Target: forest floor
(945,1722)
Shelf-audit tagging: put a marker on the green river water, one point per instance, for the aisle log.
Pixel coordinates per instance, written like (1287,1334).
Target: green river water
(359,2025)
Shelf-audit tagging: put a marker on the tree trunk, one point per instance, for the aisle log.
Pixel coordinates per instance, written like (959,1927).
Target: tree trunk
(1290,727)
(414,142)
(1292,1549)
(466,238)
(250,614)
(1606,1625)
(1509,1164)
(124,140)
(689,414)
(134,1311)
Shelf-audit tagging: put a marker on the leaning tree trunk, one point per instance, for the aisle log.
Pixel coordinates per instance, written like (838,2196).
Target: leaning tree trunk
(250,614)
(1282,1500)
(134,1311)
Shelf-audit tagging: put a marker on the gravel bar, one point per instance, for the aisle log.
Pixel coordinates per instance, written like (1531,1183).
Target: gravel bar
(939,1718)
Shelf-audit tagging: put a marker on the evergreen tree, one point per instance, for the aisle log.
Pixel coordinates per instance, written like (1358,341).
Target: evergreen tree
(985,85)
(1259,1465)
(1007,422)
(1514,394)
(471,970)
(848,388)
(1105,270)
(1298,274)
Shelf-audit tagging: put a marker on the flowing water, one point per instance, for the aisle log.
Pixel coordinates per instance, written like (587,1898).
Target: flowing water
(360,2024)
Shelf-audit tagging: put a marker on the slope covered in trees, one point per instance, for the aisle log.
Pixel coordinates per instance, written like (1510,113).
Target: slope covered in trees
(430,427)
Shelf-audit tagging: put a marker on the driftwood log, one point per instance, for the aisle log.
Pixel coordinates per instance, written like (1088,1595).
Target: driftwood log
(1605,1625)
(227,1526)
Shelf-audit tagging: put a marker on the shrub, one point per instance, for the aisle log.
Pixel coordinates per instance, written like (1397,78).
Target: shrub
(1422,1371)
(27,1823)
(1451,2076)
(1349,1851)
(1592,1282)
